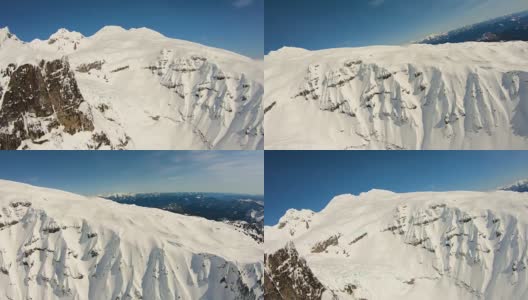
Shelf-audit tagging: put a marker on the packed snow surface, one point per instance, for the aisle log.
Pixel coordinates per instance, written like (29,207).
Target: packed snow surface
(427,245)
(452,96)
(58,245)
(147,91)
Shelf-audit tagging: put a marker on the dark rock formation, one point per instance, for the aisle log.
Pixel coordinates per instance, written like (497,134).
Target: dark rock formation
(38,99)
(253,230)
(270,107)
(288,277)
(96,65)
(322,246)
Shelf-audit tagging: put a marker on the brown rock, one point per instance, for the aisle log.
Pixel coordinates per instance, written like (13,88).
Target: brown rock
(38,99)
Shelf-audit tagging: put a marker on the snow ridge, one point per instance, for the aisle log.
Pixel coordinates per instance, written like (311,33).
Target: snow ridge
(173,94)
(91,249)
(453,96)
(466,245)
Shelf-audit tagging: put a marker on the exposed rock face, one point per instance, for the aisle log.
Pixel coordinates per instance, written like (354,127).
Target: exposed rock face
(322,246)
(48,253)
(96,65)
(287,276)
(39,99)
(378,98)
(470,245)
(170,95)
(253,230)
(213,98)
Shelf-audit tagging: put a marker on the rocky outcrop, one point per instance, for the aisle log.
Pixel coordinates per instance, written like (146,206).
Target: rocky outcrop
(96,65)
(323,245)
(378,98)
(40,98)
(215,101)
(288,277)
(253,230)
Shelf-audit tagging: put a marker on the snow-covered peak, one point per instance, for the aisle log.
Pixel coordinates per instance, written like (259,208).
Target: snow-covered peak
(287,51)
(111,29)
(469,245)
(118,32)
(5,34)
(294,215)
(146,31)
(67,35)
(63,42)
(519,186)
(137,82)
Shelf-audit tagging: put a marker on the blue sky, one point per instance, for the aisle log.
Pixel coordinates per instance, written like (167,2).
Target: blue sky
(315,24)
(102,172)
(235,25)
(310,179)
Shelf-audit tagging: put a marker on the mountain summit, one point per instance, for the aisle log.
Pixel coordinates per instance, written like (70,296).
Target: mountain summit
(139,90)
(427,245)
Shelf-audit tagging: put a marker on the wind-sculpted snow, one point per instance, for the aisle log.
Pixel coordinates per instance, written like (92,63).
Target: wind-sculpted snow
(56,245)
(456,245)
(170,94)
(216,103)
(454,96)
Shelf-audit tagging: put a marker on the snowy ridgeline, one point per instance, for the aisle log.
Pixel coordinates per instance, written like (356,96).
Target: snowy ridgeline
(126,89)
(383,245)
(453,96)
(57,245)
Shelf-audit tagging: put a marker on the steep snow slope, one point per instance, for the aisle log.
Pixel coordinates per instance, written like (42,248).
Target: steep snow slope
(383,245)
(57,245)
(452,96)
(142,91)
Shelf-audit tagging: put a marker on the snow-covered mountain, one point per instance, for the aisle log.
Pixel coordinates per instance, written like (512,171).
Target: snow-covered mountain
(245,212)
(126,89)
(513,27)
(384,245)
(58,245)
(520,186)
(452,96)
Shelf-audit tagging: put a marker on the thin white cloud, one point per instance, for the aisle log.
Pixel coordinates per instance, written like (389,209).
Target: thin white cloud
(242,3)
(213,164)
(376,3)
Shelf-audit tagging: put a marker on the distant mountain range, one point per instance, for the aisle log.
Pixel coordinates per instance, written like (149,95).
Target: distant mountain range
(246,212)
(520,186)
(512,27)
